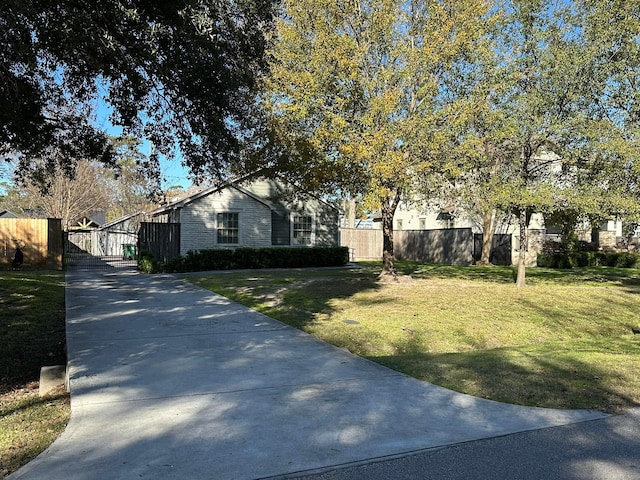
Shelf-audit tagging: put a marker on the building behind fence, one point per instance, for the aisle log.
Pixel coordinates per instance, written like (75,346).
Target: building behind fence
(39,239)
(452,246)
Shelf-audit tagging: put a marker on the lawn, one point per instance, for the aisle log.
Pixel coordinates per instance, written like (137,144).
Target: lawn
(32,335)
(569,339)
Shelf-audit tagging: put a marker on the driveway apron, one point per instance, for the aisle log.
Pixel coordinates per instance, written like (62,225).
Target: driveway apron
(172,381)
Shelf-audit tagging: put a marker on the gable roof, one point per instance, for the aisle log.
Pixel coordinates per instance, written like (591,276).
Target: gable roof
(208,191)
(236,184)
(120,220)
(8,214)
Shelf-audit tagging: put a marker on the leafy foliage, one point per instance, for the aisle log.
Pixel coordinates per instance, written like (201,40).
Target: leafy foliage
(359,94)
(178,73)
(131,189)
(241,258)
(542,141)
(589,259)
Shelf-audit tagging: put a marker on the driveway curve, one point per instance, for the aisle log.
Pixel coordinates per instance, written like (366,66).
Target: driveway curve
(172,381)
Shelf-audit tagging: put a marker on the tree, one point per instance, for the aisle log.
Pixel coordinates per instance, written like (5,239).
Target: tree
(131,189)
(180,73)
(548,106)
(485,139)
(612,38)
(69,198)
(358,95)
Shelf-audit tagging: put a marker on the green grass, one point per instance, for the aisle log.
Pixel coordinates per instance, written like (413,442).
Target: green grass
(32,335)
(567,340)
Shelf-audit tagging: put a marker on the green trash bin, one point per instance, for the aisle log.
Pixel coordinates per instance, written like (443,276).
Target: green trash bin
(128,251)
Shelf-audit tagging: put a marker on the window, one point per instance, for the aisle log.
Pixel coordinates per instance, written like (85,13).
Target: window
(302,229)
(228,228)
(398,224)
(422,224)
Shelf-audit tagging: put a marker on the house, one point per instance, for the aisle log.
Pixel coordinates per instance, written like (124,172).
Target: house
(259,213)
(90,222)
(8,214)
(119,237)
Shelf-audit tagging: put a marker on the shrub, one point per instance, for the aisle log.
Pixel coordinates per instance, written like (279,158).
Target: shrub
(242,258)
(626,260)
(552,260)
(147,263)
(589,259)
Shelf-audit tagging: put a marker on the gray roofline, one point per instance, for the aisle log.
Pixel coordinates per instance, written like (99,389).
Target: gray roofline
(9,213)
(121,219)
(208,191)
(234,183)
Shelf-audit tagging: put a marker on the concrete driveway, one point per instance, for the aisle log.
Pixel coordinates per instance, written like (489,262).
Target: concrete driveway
(171,381)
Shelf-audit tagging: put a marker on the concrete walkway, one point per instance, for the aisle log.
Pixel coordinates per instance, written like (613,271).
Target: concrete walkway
(172,381)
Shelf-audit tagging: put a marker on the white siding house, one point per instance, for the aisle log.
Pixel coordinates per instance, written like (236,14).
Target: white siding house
(262,213)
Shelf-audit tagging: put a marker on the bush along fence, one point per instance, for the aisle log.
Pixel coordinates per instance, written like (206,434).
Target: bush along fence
(243,258)
(589,259)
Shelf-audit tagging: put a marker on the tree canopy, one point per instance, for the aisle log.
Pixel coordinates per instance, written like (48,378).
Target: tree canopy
(530,105)
(358,93)
(179,73)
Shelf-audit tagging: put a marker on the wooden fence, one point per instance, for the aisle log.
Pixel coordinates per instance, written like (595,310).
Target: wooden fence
(161,239)
(454,246)
(363,244)
(39,239)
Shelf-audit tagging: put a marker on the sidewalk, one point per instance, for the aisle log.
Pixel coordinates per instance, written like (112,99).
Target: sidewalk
(172,381)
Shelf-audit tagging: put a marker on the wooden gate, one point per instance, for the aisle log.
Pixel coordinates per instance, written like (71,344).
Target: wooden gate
(162,240)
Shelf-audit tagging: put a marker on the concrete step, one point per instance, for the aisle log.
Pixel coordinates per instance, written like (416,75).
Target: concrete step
(52,377)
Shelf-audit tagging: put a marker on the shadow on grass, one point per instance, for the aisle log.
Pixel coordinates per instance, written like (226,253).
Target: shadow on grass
(10,407)
(32,326)
(553,376)
(579,372)
(535,275)
(496,274)
(294,297)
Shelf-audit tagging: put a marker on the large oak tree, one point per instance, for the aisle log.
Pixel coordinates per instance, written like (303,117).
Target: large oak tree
(178,72)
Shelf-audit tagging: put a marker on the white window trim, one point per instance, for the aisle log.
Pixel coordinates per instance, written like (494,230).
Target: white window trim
(239,229)
(292,218)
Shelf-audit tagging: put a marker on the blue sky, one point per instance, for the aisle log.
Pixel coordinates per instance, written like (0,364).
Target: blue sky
(173,173)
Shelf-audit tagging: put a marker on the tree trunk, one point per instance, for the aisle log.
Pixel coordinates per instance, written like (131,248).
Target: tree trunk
(388,259)
(352,212)
(522,252)
(388,264)
(488,230)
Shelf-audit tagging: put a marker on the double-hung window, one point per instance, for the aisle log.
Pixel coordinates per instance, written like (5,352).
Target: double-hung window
(228,228)
(302,230)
